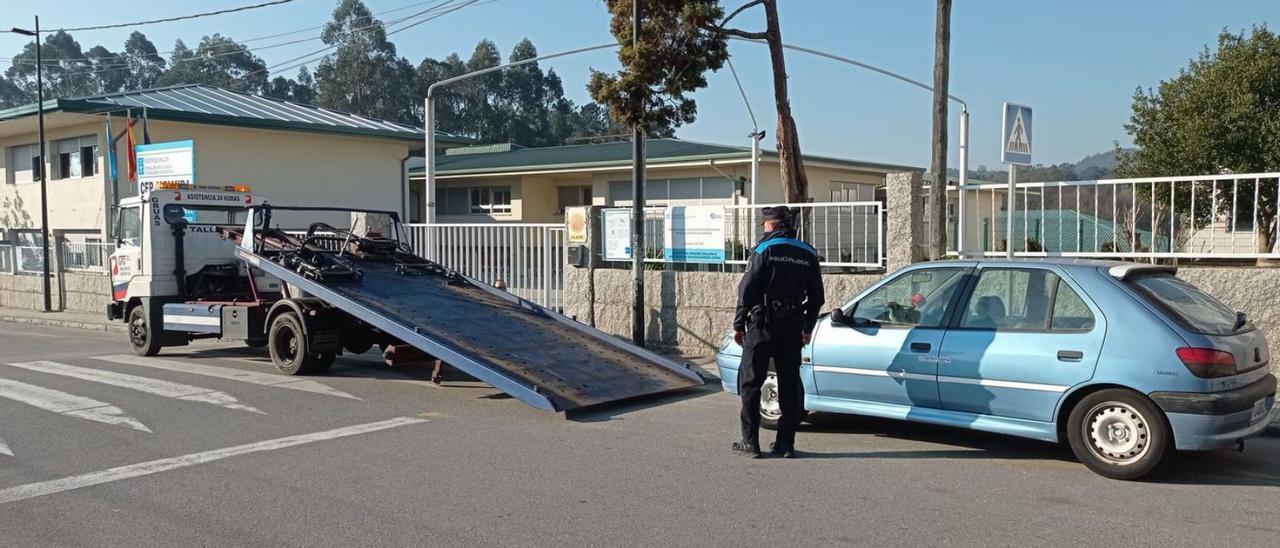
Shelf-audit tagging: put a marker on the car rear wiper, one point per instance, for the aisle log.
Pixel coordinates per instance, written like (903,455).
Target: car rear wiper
(1241,319)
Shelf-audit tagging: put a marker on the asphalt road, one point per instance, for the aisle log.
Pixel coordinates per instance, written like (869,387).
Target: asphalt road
(215,454)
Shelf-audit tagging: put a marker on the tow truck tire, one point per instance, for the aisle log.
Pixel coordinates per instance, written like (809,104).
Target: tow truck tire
(287,343)
(141,339)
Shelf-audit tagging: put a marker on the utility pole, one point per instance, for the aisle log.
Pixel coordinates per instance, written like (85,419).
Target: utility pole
(637,206)
(44,177)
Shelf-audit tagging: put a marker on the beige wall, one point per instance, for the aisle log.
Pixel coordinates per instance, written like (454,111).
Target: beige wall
(286,167)
(74,204)
(534,198)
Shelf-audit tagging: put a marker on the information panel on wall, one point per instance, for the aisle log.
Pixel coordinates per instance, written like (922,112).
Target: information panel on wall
(693,234)
(617,234)
(166,162)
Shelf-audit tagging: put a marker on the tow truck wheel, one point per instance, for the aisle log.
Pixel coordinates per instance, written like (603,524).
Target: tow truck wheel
(141,339)
(288,345)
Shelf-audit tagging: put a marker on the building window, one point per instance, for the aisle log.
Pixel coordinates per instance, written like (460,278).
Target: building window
(415,206)
(572,196)
(75,157)
(842,191)
(488,200)
(25,164)
(491,200)
(664,192)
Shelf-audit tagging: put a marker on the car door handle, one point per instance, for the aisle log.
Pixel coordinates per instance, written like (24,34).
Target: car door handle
(921,347)
(1070,355)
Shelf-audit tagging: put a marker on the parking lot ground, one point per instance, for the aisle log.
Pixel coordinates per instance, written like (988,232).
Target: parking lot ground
(376,455)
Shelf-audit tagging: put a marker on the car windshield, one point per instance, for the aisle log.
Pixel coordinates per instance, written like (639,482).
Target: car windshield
(1195,309)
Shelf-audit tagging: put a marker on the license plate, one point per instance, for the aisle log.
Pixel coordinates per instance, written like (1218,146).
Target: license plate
(1259,411)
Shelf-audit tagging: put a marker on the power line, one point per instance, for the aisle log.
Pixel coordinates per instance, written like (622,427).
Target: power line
(178,18)
(246,41)
(112,67)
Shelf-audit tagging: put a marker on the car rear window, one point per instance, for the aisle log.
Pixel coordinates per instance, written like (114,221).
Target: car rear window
(1186,303)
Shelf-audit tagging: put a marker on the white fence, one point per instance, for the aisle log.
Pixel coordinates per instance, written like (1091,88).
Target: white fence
(28,259)
(86,256)
(8,265)
(528,259)
(845,234)
(1202,217)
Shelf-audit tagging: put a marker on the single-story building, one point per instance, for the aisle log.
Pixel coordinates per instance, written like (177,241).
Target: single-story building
(288,152)
(507,183)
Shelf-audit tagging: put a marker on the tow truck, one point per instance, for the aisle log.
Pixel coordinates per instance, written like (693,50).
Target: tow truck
(313,283)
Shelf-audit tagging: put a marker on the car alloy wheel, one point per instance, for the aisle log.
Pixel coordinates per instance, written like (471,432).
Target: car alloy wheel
(1117,433)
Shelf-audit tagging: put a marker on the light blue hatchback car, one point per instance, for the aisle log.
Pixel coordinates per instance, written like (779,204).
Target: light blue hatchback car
(1125,361)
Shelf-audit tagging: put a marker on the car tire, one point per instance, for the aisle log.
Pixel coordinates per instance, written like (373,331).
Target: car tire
(287,344)
(142,338)
(1119,434)
(770,410)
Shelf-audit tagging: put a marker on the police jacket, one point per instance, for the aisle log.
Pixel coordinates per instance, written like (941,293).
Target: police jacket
(781,268)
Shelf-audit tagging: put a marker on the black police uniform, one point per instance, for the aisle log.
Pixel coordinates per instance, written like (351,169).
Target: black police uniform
(779,298)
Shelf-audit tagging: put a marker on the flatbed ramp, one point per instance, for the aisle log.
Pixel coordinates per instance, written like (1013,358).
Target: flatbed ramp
(541,357)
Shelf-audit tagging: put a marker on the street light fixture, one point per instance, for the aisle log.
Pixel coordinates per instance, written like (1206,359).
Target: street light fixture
(44,177)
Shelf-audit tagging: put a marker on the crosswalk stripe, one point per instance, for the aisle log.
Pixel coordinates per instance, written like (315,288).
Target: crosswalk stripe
(40,489)
(4,448)
(252,377)
(177,391)
(70,405)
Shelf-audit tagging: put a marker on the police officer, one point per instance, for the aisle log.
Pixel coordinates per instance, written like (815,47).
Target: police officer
(778,303)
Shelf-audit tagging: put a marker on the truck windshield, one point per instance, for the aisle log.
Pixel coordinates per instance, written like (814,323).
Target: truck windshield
(1187,304)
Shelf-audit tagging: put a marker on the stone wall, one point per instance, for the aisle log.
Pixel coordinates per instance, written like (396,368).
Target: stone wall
(72,291)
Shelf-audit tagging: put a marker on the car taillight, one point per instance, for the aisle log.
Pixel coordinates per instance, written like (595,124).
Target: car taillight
(1207,362)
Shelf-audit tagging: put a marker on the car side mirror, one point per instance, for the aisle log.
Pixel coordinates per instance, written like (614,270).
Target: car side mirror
(838,317)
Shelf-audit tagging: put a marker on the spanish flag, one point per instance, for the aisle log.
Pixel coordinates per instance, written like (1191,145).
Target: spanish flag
(133,155)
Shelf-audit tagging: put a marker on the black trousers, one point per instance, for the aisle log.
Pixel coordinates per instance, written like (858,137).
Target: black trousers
(781,345)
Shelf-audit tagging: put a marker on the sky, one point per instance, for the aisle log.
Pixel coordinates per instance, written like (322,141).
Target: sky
(1076,63)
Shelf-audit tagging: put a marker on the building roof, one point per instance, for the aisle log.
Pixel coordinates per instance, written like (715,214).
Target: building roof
(201,103)
(571,157)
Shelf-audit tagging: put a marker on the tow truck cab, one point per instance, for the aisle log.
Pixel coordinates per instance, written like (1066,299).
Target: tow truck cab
(179,274)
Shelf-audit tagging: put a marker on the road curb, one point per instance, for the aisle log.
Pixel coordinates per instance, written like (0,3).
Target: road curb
(73,324)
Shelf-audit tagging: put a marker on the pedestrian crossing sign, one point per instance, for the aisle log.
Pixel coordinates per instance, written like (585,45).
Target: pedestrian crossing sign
(1015,140)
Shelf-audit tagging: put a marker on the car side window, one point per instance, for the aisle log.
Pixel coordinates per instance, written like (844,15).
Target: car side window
(1069,311)
(1011,298)
(919,298)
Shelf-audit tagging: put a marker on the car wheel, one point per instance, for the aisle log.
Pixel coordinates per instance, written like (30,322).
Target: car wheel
(142,339)
(288,345)
(1119,434)
(770,407)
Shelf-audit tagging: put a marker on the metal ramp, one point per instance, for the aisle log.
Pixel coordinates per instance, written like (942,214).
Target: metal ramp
(536,355)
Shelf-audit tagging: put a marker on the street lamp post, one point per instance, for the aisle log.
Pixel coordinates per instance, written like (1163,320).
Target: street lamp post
(44,187)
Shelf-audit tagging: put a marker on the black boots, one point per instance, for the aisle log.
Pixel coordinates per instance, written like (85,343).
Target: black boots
(782,452)
(746,449)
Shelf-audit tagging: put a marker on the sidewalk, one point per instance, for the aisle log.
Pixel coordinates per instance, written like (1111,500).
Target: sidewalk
(75,320)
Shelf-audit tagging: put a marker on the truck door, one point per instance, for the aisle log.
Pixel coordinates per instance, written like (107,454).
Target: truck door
(126,260)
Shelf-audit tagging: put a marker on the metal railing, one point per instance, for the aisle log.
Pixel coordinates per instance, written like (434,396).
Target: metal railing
(845,234)
(8,265)
(1201,217)
(527,259)
(86,256)
(28,259)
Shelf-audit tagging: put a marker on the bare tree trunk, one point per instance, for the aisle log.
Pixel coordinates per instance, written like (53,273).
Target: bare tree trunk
(795,183)
(938,190)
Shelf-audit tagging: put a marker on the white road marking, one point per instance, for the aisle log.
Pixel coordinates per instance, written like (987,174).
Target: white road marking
(177,391)
(40,489)
(4,448)
(70,405)
(252,377)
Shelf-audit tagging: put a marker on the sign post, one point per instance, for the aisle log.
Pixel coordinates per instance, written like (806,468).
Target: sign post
(1015,150)
(173,162)
(693,234)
